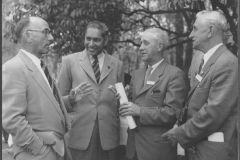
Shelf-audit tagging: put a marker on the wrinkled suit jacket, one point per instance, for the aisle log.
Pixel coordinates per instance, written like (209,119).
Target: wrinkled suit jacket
(160,103)
(29,106)
(102,103)
(212,107)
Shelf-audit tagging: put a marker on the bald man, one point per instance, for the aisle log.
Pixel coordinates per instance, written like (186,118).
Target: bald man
(32,110)
(158,92)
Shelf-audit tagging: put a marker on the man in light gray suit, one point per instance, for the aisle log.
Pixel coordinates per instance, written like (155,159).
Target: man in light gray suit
(84,82)
(158,92)
(210,131)
(32,110)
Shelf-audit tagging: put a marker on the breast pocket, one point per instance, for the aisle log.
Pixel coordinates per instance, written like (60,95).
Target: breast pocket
(155,95)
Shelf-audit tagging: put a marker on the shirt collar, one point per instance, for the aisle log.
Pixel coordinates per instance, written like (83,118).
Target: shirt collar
(99,56)
(210,52)
(156,65)
(34,58)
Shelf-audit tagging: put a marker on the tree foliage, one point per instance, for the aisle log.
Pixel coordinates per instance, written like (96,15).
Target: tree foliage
(68,19)
(125,18)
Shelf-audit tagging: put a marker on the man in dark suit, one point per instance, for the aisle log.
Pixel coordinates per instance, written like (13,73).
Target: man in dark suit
(84,81)
(32,110)
(210,131)
(158,92)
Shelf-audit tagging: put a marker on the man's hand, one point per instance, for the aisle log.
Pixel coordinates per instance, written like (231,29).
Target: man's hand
(127,89)
(113,89)
(129,109)
(170,136)
(80,92)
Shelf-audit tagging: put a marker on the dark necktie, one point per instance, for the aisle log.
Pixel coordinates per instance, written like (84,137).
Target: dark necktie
(147,75)
(55,91)
(50,81)
(200,66)
(96,69)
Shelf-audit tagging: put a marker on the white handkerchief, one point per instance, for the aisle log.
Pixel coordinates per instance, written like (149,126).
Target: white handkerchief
(199,78)
(150,82)
(59,147)
(180,150)
(216,137)
(10,141)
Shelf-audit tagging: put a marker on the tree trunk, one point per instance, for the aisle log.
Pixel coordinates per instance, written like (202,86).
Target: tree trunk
(179,48)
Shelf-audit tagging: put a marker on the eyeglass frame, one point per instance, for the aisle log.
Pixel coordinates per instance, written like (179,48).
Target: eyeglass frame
(46,31)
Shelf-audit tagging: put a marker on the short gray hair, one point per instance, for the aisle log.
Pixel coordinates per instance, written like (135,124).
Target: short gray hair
(158,34)
(213,17)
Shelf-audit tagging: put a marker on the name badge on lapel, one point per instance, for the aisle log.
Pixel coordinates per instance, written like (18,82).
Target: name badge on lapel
(199,78)
(150,82)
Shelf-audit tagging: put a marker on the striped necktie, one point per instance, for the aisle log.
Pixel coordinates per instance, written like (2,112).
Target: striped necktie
(50,81)
(96,69)
(55,92)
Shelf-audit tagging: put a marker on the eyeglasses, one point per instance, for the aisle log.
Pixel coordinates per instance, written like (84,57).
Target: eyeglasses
(45,31)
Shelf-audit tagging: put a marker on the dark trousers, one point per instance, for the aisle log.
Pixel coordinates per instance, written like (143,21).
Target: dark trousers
(94,150)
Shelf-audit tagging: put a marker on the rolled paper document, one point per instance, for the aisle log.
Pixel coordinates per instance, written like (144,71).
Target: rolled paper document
(10,141)
(123,98)
(180,150)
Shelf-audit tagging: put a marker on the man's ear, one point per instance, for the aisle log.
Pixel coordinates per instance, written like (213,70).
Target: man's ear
(211,31)
(26,36)
(160,46)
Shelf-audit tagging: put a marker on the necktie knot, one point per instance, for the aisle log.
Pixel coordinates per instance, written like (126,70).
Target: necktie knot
(96,69)
(42,64)
(95,57)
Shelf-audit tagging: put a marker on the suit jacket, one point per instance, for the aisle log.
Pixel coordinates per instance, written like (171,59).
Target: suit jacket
(101,104)
(194,67)
(29,106)
(160,103)
(212,107)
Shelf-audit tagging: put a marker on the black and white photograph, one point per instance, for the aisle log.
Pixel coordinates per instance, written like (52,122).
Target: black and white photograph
(120,80)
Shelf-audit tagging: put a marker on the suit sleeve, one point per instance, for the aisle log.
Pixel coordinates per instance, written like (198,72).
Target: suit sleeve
(65,82)
(14,110)
(222,100)
(173,103)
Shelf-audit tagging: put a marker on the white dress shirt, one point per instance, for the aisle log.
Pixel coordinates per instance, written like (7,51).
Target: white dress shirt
(209,53)
(100,57)
(37,62)
(156,65)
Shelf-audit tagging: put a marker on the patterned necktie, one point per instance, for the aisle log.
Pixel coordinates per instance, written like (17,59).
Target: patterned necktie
(55,91)
(50,81)
(96,69)
(147,75)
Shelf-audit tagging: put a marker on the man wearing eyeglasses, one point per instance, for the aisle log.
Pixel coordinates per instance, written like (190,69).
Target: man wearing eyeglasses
(32,109)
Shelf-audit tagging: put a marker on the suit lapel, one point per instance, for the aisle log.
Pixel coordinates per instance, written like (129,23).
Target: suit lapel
(207,67)
(107,67)
(86,65)
(155,76)
(37,76)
